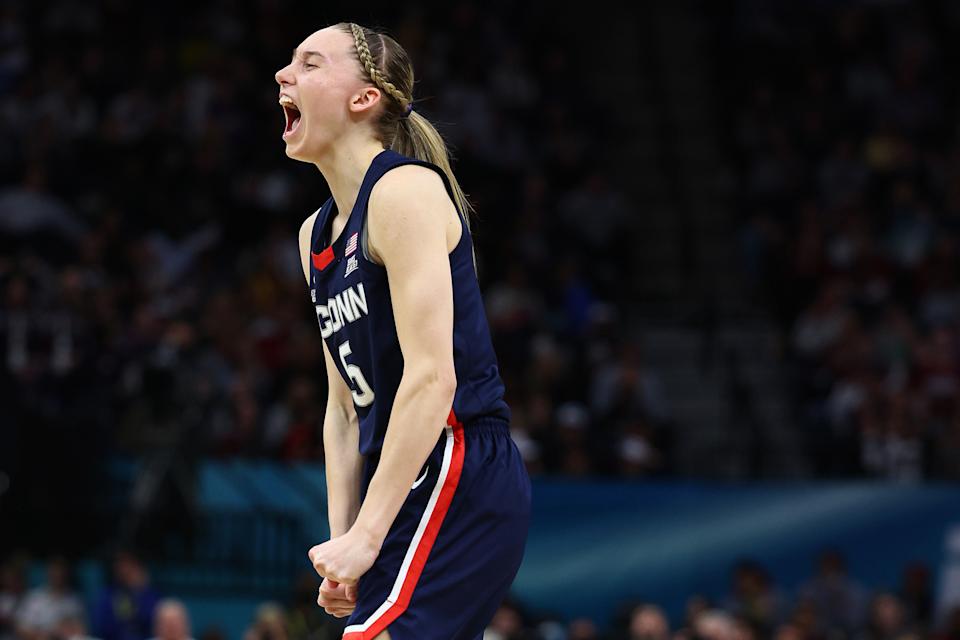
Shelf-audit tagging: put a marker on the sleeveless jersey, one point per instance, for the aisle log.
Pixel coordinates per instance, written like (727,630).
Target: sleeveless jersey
(351,297)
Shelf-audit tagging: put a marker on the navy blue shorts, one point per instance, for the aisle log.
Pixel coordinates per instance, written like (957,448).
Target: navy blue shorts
(456,545)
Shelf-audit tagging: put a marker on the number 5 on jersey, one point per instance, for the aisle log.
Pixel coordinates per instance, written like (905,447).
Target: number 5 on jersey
(362,394)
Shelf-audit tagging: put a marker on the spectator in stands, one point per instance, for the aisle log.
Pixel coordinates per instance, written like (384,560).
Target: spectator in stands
(838,600)
(714,625)
(171,621)
(805,621)
(13,589)
(124,610)
(886,619)
(648,622)
(788,632)
(636,449)
(753,597)
(573,435)
(744,630)
(269,623)
(72,627)
(508,624)
(44,607)
(696,604)
(292,426)
(582,629)
(626,387)
(848,229)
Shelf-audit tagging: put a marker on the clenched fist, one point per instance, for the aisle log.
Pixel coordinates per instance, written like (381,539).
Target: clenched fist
(341,561)
(337,599)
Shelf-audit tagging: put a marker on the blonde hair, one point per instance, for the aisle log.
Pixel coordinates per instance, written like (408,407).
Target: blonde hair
(386,64)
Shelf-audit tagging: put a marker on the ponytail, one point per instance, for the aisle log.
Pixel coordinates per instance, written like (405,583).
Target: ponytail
(418,138)
(386,64)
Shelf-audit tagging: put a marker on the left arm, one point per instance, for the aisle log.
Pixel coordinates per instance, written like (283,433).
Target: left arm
(408,231)
(408,214)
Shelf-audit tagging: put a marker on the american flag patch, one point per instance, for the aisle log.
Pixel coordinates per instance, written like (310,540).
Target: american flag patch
(351,245)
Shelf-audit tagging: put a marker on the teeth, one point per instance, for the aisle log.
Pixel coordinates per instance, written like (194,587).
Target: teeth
(287,101)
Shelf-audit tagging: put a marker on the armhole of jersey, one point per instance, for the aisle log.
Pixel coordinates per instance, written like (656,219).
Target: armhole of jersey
(464,227)
(318,224)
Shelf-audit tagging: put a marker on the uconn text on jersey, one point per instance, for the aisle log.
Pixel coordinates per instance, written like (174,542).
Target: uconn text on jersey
(347,306)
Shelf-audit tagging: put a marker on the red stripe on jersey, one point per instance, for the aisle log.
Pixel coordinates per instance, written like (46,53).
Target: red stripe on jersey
(322,259)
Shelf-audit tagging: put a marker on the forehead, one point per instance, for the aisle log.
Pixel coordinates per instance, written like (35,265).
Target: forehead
(333,43)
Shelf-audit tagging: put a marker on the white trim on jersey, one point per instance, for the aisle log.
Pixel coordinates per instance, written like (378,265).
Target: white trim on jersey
(414,543)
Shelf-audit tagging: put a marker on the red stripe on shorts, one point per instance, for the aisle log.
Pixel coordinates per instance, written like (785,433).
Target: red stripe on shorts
(422,552)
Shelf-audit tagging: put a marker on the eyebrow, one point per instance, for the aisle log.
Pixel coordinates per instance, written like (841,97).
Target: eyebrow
(306,54)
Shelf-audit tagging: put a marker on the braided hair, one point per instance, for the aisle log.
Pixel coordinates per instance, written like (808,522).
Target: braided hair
(386,64)
(373,71)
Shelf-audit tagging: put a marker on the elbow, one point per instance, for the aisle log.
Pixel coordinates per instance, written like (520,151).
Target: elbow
(444,380)
(340,413)
(438,380)
(448,382)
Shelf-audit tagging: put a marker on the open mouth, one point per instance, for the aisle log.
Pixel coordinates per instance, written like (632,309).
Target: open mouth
(292,114)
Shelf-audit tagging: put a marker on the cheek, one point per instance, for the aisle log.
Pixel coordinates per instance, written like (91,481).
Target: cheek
(314,98)
(328,98)
(323,109)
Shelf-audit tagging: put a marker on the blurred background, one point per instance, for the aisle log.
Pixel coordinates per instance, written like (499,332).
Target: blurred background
(718,243)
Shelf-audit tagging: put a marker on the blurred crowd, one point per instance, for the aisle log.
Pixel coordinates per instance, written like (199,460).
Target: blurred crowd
(152,290)
(831,604)
(846,132)
(153,299)
(130,607)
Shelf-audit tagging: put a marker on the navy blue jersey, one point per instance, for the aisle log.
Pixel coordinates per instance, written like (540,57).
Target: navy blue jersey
(351,296)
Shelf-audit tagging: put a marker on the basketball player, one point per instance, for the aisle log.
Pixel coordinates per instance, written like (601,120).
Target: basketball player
(428,497)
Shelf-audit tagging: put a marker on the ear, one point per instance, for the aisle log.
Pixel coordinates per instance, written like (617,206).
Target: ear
(366,99)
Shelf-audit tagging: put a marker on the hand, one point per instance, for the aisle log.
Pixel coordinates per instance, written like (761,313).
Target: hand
(337,599)
(345,558)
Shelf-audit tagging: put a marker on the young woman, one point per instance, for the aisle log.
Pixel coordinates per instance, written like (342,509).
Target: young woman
(428,497)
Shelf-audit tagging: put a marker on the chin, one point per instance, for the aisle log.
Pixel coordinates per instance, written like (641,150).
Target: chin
(300,150)
(294,152)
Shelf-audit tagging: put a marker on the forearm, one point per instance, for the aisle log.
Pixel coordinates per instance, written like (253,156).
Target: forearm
(418,416)
(344,466)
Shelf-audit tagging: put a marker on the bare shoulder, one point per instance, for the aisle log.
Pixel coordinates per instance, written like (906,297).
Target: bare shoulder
(407,184)
(407,203)
(306,233)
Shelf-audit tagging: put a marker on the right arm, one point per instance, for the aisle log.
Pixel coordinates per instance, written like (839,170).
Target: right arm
(341,430)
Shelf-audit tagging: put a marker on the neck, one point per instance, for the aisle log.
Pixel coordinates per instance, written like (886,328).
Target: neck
(343,167)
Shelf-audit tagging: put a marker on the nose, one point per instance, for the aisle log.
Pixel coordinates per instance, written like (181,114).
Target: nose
(284,76)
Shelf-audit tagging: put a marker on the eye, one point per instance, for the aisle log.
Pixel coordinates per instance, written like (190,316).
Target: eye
(307,65)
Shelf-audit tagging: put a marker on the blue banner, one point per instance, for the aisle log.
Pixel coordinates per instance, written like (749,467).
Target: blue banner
(594,545)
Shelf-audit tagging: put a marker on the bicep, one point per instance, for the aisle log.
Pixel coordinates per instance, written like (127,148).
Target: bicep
(408,219)
(422,293)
